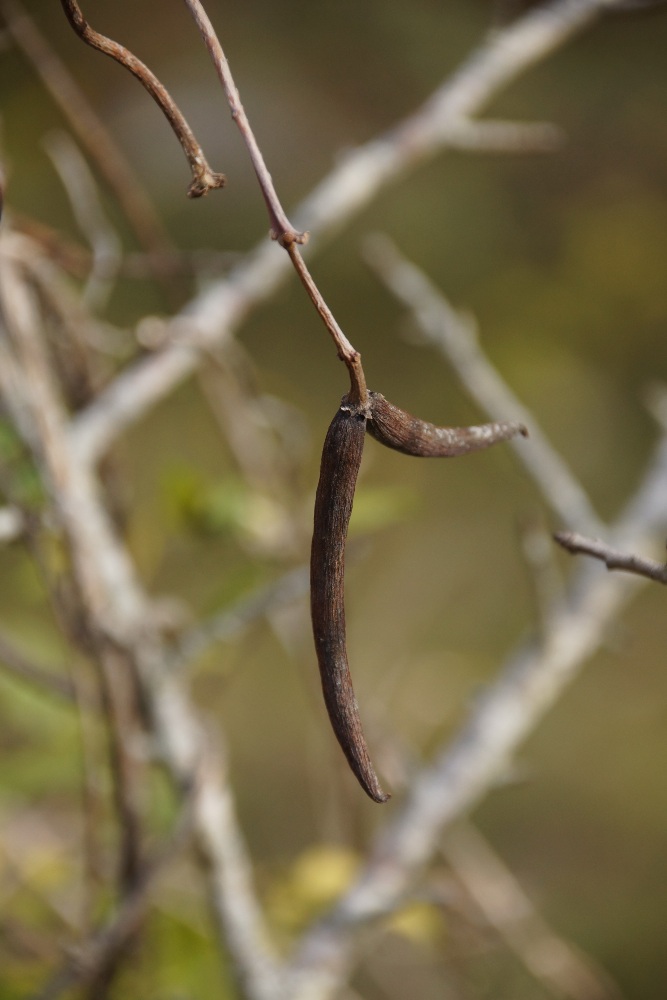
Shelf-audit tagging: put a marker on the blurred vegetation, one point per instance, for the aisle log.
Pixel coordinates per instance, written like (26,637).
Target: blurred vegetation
(562,259)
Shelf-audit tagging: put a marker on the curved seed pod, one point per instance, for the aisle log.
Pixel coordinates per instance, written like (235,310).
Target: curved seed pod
(400,430)
(341,458)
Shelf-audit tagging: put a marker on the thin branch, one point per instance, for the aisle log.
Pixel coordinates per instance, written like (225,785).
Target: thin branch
(268,438)
(358,178)
(611,557)
(546,582)
(565,971)
(44,409)
(14,662)
(103,239)
(231,622)
(84,338)
(204,179)
(455,338)
(281,229)
(94,137)
(62,251)
(498,136)
(346,351)
(119,701)
(12,524)
(94,960)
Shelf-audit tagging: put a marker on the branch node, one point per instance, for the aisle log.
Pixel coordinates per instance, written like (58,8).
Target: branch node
(204,181)
(288,237)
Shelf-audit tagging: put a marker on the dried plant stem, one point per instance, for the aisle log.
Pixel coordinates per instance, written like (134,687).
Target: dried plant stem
(346,352)
(82,191)
(565,971)
(94,137)
(18,665)
(281,228)
(45,420)
(204,178)
(93,962)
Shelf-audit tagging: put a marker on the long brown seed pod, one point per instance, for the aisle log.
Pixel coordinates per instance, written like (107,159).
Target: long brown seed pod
(341,458)
(400,430)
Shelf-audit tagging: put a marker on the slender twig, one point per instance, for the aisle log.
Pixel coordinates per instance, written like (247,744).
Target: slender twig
(455,338)
(103,239)
(231,622)
(14,662)
(96,959)
(87,336)
(268,438)
(93,798)
(119,699)
(44,410)
(346,352)
(64,252)
(12,524)
(95,138)
(497,136)
(204,179)
(565,971)
(611,557)
(545,580)
(281,228)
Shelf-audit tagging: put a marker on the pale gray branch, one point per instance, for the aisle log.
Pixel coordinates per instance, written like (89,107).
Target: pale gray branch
(231,622)
(496,136)
(119,609)
(454,336)
(565,971)
(91,958)
(12,523)
(84,199)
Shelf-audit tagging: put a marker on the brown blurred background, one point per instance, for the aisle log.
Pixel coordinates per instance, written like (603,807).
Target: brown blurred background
(562,259)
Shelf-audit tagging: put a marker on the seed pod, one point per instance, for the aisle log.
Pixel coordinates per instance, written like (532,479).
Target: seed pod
(400,430)
(341,458)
